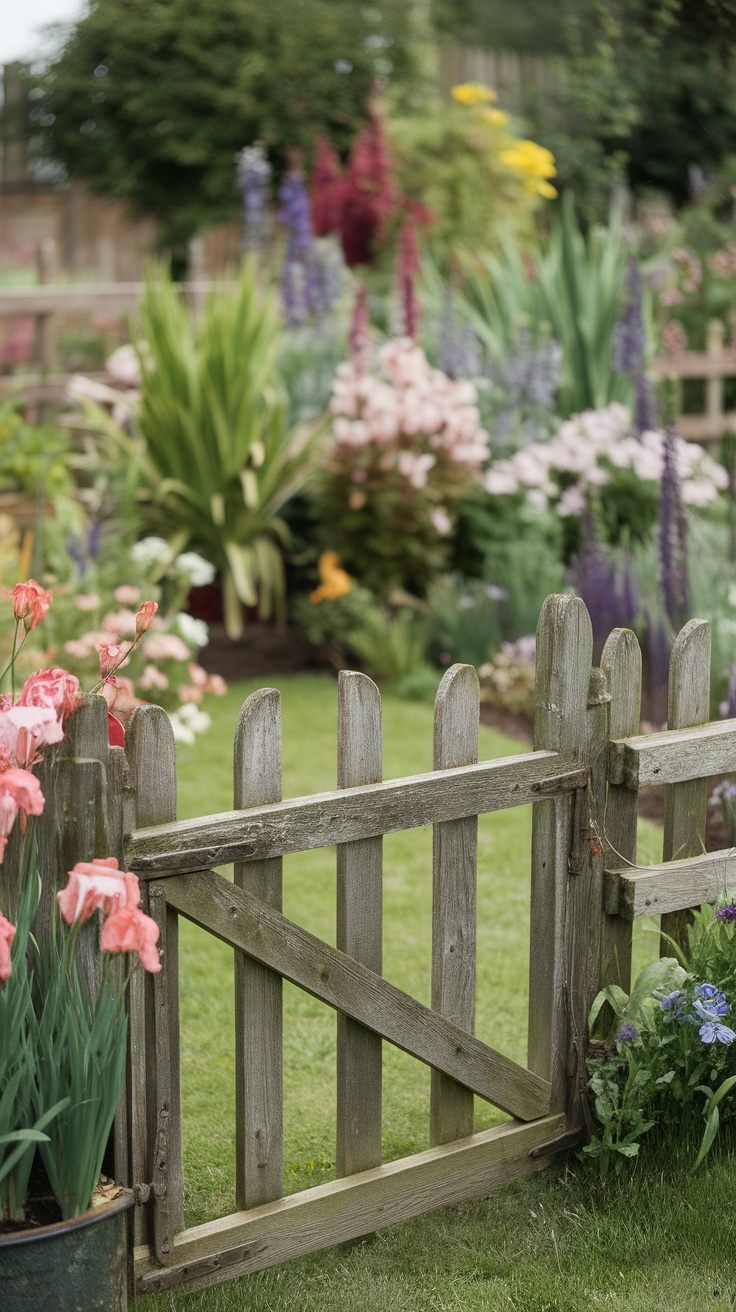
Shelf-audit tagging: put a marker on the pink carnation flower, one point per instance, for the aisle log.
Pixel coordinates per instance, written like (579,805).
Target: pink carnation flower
(129,930)
(7,934)
(97,885)
(25,729)
(54,687)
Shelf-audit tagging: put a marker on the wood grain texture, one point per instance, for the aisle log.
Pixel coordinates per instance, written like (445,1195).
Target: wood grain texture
(149,799)
(675,886)
(167,1175)
(686,804)
(621,664)
(259,1132)
(344,1209)
(454,898)
(346,815)
(359,929)
(564,660)
(242,920)
(675,755)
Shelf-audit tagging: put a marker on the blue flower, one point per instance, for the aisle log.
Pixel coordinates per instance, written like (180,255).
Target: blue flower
(671,1001)
(626,1033)
(709,1001)
(712,1032)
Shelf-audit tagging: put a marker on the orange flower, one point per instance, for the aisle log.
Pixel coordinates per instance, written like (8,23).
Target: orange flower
(336,582)
(30,603)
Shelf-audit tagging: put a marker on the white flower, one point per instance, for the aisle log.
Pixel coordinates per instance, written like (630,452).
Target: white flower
(124,367)
(197,571)
(194,632)
(182,733)
(149,552)
(194,719)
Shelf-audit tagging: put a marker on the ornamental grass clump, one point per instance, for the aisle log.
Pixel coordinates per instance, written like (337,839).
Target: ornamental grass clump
(668,1058)
(62,1024)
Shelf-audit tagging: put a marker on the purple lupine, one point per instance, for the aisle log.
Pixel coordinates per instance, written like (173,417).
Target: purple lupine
(253,174)
(628,353)
(458,347)
(657,646)
(730,709)
(309,287)
(610,599)
(672,536)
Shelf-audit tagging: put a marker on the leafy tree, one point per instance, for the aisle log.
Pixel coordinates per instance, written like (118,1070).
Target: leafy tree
(647,87)
(149,100)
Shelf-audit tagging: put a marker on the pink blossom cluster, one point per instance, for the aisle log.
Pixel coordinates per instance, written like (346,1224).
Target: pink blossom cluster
(723,261)
(100,886)
(590,447)
(407,399)
(181,675)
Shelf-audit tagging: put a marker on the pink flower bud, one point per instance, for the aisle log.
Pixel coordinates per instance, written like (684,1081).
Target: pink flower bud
(144,618)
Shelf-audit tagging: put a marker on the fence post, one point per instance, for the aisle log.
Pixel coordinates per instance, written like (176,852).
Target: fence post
(359,928)
(43,337)
(686,804)
(621,663)
(714,385)
(154,1104)
(561,724)
(454,860)
(259,1150)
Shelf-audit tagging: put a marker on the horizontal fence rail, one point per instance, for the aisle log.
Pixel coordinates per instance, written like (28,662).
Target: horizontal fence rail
(674,756)
(349,814)
(634,891)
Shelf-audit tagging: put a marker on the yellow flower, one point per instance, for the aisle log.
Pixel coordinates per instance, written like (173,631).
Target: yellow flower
(495,118)
(335,580)
(529,158)
(473,93)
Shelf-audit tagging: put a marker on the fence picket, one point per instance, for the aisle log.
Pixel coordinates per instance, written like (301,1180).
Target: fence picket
(454,864)
(621,663)
(685,804)
(359,929)
(259,1152)
(150,798)
(562,685)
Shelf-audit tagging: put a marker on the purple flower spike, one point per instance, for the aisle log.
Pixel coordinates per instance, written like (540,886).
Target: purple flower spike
(726,913)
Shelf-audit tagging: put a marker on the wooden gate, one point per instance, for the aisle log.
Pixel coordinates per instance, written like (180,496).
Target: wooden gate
(581,914)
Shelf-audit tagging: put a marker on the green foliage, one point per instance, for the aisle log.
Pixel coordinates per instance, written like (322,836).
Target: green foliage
(465,621)
(390,644)
(450,160)
(34,459)
(219,460)
(669,1062)
(573,283)
(150,103)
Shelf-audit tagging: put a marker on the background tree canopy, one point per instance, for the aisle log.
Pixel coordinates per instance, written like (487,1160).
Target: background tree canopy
(648,86)
(149,100)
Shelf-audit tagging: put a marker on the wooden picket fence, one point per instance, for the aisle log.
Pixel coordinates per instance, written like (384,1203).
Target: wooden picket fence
(713,365)
(582,778)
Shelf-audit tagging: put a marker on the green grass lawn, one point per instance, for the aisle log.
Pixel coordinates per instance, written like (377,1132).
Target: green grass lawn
(534,1246)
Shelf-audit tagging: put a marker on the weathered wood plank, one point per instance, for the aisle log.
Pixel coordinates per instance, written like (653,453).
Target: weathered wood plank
(621,663)
(244,922)
(564,656)
(149,798)
(345,815)
(674,755)
(167,1176)
(344,1209)
(686,804)
(259,1134)
(454,897)
(675,886)
(359,929)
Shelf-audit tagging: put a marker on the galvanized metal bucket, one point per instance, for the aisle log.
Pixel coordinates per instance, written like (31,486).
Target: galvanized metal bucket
(73,1266)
